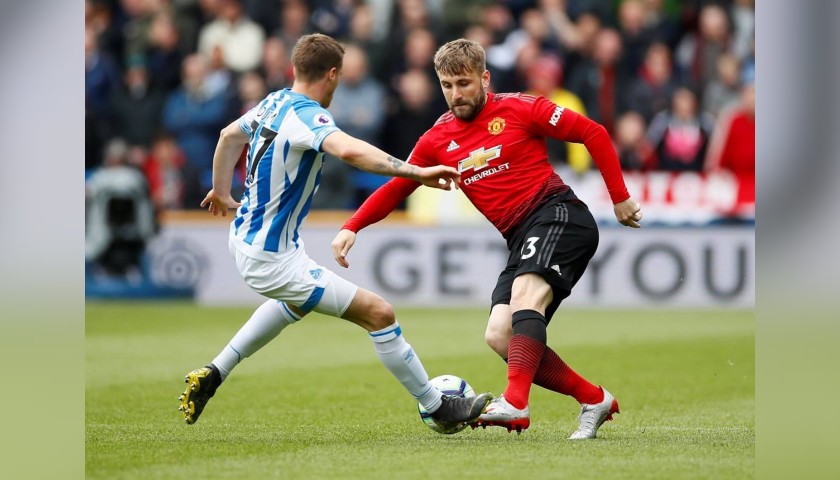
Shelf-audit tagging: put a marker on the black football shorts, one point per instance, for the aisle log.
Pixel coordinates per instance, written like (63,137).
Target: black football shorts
(556,242)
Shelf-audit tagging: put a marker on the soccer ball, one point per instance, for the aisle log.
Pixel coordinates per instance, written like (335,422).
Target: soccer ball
(448,385)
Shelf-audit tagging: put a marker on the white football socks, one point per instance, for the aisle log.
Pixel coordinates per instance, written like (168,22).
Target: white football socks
(265,323)
(399,358)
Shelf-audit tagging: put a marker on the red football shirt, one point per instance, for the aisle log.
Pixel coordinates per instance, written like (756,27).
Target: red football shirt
(503,160)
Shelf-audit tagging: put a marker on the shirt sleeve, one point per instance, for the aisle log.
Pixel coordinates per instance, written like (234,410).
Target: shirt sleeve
(551,120)
(317,124)
(247,119)
(389,196)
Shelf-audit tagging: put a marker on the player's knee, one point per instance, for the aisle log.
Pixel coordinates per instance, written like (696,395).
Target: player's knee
(533,294)
(382,314)
(497,340)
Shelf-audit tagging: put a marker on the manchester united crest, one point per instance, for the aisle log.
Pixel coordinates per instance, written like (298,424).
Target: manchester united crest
(496,125)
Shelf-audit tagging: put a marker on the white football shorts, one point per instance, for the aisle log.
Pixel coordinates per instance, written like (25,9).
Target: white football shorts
(301,282)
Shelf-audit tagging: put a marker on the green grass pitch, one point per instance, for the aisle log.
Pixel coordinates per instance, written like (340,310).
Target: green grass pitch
(315,403)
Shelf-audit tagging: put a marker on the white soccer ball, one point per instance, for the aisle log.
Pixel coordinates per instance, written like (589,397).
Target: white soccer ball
(448,385)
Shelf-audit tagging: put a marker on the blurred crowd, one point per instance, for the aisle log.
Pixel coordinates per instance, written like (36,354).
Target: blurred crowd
(672,81)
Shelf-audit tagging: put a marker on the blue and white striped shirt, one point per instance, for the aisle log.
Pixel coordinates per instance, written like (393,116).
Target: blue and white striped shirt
(286,130)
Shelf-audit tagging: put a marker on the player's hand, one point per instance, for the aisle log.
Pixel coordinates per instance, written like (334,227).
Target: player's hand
(217,203)
(341,244)
(628,213)
(439,176)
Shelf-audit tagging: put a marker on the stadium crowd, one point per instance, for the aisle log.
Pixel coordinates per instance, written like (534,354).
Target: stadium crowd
(672,81)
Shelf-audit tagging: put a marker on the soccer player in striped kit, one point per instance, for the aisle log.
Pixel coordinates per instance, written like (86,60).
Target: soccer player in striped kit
(497,143)
(287,134)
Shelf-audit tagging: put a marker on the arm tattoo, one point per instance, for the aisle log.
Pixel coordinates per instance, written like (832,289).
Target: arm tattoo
(405,169)
(395,162)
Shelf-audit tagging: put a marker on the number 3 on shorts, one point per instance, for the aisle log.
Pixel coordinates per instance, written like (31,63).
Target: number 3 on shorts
(530,247)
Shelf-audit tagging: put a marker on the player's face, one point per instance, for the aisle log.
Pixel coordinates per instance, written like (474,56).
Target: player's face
(465,94)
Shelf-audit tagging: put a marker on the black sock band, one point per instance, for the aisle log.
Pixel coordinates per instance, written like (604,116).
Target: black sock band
(530,323)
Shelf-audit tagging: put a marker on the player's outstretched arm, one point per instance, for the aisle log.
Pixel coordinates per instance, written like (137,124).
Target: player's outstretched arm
(231,142)
(366,157)
(341,245)
(628,213)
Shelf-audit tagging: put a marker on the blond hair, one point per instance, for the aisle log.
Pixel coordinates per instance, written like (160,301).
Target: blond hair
(460,57)
(314,55)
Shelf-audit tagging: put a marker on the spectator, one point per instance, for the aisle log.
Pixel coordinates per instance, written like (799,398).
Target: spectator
(333,17)
(533,29)
(680,135)
(411,114)
(94,141)
(102,75)
(417,52)
(743,20)
(164,55)
(545,77)
(697,54)
(497,19)
(362,33)
(238,37)
(102,78)
(276,64)
(195,118)
(99,17)
(661,24)
(651,92)
(163,172)
(732,146)
(264,12)
(587,26)
(500,80)
(252,89)
(294,22)
(458,16)
(535,24)
(598,80)
(725,90)
(358,105)
(634,153)
(748,66)
(137,24)
(136,107)
(603,9)
(562,27)
(635,35)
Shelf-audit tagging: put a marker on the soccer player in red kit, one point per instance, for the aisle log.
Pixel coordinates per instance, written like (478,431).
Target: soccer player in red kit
(498,144)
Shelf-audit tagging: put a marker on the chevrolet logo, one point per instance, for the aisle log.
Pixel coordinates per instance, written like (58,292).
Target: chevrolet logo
(479,159)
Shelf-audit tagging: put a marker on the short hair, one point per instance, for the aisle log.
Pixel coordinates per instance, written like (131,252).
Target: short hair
(459,57)
(314,55)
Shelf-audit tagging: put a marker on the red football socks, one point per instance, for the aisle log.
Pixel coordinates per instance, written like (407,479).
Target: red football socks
(524,354)
(555,375)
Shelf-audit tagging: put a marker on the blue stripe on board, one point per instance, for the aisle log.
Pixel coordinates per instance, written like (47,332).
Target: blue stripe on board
(289,200)
(313,299)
